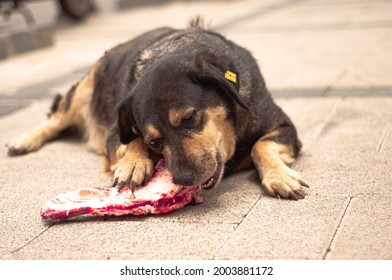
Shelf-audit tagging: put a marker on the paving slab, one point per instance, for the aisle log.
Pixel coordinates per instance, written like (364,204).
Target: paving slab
(310,115)
(358,124)
(286,230)
(286,63)
(373,68)
(386,141)
(366,230)
(20,222)
(306,15)
(348,182)
(345,161)
(299,43)
(130,239)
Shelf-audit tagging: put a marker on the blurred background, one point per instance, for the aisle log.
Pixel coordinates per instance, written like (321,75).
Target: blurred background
(304,47)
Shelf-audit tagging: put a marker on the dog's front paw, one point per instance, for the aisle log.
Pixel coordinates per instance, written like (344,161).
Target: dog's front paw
(284,182)
(131,173)
(22,144)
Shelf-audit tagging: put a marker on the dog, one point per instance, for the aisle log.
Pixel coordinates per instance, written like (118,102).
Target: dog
(188,95)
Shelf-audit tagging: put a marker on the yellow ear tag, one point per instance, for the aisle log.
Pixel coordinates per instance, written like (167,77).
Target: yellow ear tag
(231,76)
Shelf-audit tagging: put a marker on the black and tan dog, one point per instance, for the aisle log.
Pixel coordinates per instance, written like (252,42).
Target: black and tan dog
(191,96)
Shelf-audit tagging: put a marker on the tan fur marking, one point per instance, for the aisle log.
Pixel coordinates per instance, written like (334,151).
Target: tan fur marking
(132,152)
(176,116)
(277,178)
(267,154)
(167,154)
(218,133)
(225,130)
(135,165)
(152,132)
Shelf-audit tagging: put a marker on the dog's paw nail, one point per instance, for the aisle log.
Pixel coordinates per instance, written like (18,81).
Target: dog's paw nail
(114,183)
(121,186)
(303,184)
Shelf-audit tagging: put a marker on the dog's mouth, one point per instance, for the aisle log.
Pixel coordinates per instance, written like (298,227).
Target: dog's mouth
(214,180)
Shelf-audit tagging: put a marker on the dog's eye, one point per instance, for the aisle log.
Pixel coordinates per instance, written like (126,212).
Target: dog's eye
(189,119)
(155,145)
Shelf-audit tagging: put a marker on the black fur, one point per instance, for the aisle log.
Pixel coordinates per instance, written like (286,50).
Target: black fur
(55,104)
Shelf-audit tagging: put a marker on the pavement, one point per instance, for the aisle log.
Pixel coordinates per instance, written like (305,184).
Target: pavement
(327,64)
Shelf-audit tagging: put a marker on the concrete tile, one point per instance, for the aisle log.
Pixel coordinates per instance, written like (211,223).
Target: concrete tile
(28,181)
(348,183)
(310,58)
(130,239)
(21,121)
(5,255)
(309,115)
(344,161)
(20,222)
(8,108)
(281,229)
(386,140)
(358,124)
(22,176)
(373,68)
(289,60)
(357,90)
(366,230)
(351,133)
(59,166)
(87,255)
(339,15)
(57,255)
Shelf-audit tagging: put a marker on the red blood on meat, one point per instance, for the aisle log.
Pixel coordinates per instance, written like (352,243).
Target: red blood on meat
(160,195)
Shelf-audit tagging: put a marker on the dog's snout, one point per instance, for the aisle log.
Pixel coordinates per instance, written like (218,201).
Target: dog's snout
(184,178)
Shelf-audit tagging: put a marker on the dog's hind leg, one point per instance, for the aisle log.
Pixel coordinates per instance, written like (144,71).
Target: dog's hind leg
(67,111)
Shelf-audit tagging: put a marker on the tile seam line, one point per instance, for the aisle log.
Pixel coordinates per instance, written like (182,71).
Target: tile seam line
(328,250)
(214,256)
(338,77)
(324,123)
(31,240)
(383,136)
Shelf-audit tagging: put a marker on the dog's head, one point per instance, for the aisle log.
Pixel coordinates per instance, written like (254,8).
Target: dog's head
(184,111)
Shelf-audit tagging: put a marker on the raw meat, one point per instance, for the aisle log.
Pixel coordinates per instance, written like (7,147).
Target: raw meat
(158,196)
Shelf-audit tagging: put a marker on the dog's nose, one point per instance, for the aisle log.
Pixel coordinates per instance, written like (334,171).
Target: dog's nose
(184,178)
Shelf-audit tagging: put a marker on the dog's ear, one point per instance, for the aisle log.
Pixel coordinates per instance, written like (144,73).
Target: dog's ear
(126,122)
(220,73)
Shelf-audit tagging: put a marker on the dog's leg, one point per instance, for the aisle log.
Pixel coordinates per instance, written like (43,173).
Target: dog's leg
(47,130)
(131,163)
(271,156)
(69,110)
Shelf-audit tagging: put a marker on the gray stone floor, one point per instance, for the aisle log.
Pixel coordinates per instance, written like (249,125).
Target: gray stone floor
(327,63)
